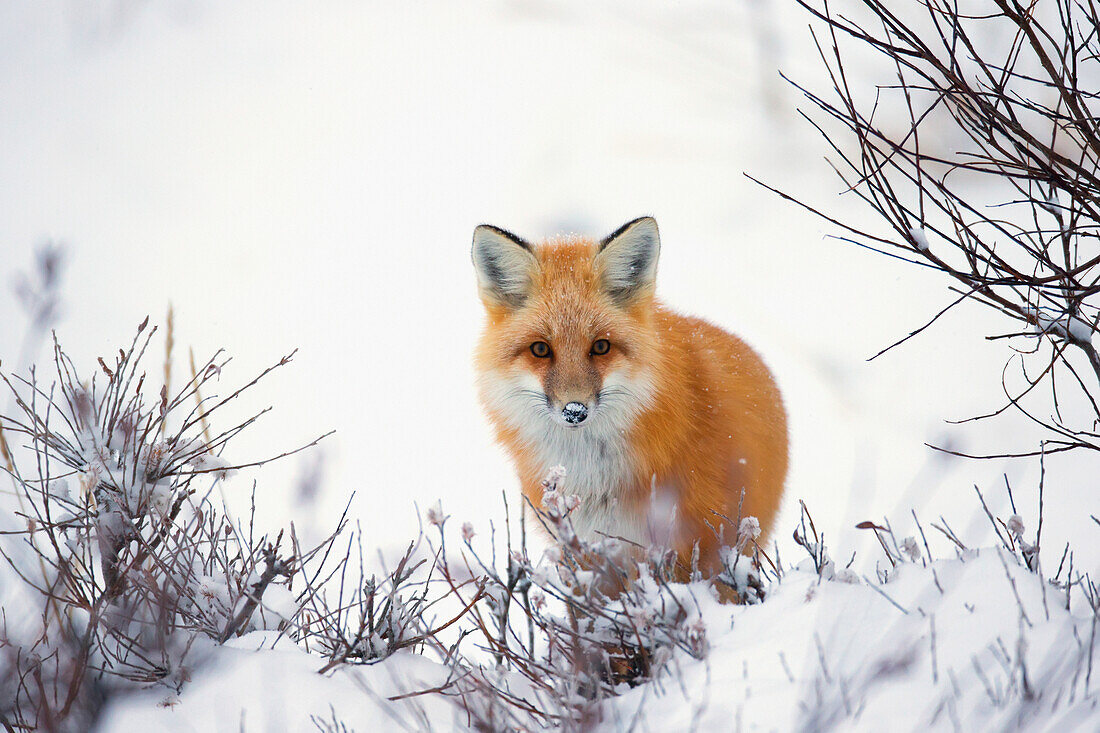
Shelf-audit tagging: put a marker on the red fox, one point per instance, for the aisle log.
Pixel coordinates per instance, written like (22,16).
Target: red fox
(659,419)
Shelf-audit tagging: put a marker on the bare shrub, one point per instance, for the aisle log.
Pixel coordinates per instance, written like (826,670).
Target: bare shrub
(565,632)
(136,571)
(354,619)
(981,157)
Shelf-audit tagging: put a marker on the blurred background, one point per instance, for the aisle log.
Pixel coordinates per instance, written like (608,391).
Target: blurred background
(308,176)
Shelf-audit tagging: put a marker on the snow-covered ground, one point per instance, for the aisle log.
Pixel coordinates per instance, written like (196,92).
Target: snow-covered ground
(308,176)
(970,643)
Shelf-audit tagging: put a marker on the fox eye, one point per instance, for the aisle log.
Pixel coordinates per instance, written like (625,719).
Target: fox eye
(601,347)
(541,349)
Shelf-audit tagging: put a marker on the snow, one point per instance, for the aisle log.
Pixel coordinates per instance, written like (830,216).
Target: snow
(749,529)
(943,646)
(311,177)
(1050,321)
(215,464)
(255,684)
(1079,330)
(817,654)
(919,237)
(281,601)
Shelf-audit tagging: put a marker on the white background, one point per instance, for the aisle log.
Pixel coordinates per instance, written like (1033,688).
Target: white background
(308,176)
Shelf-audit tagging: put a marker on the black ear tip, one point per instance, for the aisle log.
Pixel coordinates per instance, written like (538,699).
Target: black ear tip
(483,232)
(646,220)
(487,228)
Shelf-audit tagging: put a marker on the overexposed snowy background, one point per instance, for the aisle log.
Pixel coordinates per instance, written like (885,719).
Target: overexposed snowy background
(308,176)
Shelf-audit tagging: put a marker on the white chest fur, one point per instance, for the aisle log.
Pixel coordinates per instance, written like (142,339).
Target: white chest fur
(598,468)
(596,456)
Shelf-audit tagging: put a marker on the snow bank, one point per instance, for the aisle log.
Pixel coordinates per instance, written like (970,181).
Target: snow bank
(971,643)
(819,654)
(254,683)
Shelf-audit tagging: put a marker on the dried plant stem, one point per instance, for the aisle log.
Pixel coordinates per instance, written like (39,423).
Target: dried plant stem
(169,343)
(198,397)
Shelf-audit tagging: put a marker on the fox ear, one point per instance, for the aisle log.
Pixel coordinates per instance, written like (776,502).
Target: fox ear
(505,266)
(627,260)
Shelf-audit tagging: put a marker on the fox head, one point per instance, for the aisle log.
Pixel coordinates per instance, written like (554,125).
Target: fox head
(569,343)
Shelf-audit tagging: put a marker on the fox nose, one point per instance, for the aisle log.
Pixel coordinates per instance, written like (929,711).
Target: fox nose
(574,413)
